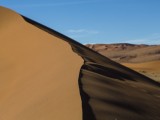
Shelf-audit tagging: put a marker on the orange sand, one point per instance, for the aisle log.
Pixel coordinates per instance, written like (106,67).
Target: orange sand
(36,70)
(150,69)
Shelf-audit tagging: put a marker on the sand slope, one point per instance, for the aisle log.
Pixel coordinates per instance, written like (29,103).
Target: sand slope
(41,78)
(34,77)
(150,69)
(110,91)
(142,58)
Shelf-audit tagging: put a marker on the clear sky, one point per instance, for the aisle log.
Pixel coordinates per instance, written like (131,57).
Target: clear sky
(96,21)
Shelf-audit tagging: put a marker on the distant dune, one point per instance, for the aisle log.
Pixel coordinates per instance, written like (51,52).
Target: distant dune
(151,69)
(45,75)
(128,53)
(142,58)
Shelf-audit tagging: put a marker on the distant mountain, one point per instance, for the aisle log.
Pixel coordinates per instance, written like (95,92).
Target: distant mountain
(128,53)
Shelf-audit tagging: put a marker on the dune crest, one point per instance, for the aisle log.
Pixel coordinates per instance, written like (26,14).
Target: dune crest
(38,75)
(110,90)
(45,75)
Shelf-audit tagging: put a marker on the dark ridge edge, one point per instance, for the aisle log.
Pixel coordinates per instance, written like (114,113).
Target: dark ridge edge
(75,43)
(57,34)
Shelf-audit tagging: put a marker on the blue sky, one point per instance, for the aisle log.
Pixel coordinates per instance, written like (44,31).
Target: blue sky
(96,21)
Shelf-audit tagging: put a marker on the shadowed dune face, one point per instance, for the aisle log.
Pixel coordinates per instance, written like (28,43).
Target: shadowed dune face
(142,58)
(112,91)
(121,98)
(40,74)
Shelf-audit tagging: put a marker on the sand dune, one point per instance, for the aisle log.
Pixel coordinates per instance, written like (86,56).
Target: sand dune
(34,77)
(110,91)
(45,75)
(150,69)
(142,58)
(128,53)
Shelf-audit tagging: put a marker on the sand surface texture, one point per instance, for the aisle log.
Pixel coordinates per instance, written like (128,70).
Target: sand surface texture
(38,73)
(110,91)
(48,76)
(150,69)
(145,59)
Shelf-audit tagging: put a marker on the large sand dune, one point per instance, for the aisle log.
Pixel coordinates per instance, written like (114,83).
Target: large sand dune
(45,75)
(142,58)
(38,75)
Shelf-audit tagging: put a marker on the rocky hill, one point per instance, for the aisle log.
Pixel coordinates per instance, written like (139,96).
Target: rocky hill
(128,53)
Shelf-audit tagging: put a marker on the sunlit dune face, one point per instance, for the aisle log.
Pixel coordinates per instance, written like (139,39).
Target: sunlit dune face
(38,73)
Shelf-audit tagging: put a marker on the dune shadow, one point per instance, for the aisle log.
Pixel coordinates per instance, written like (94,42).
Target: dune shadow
(103,81)
(87,112)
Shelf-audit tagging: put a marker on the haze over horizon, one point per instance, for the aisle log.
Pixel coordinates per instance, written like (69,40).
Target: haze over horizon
(96,21)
